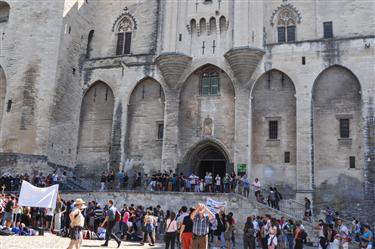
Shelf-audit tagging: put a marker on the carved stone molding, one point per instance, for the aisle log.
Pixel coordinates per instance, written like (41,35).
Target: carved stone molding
(243,61)
(172,66)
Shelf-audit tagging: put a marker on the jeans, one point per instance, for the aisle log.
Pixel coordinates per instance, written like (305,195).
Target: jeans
(290,239)
(223,243)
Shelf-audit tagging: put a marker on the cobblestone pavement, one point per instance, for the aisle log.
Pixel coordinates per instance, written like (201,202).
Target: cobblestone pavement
(49,241)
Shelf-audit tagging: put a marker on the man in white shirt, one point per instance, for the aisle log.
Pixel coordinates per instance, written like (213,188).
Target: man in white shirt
(257,186)
(218,182)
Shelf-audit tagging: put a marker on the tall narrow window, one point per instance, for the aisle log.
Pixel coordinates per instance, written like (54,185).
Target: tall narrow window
(210,84)
(344,128)
(160,131)
(124,37)
(273,129)
(89,43)
(286,27)
(327,29)
(287,157)
(352,162)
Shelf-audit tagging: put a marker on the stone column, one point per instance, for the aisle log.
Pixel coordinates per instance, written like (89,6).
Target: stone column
(169,157)
(172,66)
(242,132)
(243,61)
(304,146)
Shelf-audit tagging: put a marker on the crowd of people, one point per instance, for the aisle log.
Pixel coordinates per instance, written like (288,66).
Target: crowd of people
(9,182)
(187,228)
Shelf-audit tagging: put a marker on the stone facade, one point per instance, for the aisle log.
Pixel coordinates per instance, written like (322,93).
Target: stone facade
(92,86)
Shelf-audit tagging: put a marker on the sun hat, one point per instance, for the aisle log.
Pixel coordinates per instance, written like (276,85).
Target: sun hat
(79,201)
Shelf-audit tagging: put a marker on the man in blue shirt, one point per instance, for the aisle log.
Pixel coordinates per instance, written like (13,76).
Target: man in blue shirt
(367,237)
(110,221)
(201,217)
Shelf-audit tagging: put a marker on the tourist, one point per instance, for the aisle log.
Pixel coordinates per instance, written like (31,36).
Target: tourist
(111,180)
(228,234)
(221,226)
(186,230)
(307,209)
(226,183)
(246,185)
(278,198)
(110,222)
(288,229)
(201,217)
(125,215)
(103,180)
(342,238)
(170,231)
(256,185)
(8,212)
(76,223)
(120,179)
(233,182)
(298,236)
(272,234)
(218,183)
(249,234)
(367,238)
(149,223)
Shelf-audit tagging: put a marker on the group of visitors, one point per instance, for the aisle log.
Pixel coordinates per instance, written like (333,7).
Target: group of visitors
(334,233)
(9,182)
(194,227)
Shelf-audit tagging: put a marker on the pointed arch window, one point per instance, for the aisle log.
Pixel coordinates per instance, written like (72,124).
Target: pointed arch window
(210,84)
(124,36)
(286,27)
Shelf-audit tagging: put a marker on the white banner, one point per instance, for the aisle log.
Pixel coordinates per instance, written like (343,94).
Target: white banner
(31,196)
(215,206)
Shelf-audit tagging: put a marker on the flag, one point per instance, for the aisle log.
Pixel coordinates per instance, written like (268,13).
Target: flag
(31,196)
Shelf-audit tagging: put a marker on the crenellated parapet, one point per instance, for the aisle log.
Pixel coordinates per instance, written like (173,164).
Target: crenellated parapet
(172,66)
(243,61)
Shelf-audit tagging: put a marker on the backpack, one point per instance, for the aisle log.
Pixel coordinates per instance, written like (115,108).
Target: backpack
(250,232)
(303,235)
(117,216)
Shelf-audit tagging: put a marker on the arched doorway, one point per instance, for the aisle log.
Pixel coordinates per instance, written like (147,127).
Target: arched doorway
(211,160)
(206,156)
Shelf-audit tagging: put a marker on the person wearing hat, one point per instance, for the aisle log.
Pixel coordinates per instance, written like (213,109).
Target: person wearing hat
(76,223)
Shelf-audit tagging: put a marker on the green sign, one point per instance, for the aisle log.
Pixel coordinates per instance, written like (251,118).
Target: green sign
(241,168)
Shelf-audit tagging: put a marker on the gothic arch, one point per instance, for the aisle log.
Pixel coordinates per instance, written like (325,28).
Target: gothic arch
(337,123)
(4,11)
(198,67)
(145,125)
(195,108)
(95,132)
(285,10)
(273,128)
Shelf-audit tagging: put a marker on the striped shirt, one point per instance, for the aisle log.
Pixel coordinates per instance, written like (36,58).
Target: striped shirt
(98,213)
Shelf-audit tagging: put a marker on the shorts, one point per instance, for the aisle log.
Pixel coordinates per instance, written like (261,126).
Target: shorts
(75,233)
(8,216)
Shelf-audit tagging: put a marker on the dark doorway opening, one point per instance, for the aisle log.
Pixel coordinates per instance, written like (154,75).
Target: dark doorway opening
(210,159)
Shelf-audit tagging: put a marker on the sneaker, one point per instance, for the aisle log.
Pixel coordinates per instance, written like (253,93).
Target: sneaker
(118,244)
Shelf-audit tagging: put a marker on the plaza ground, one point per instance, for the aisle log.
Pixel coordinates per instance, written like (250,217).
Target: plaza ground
(49,241)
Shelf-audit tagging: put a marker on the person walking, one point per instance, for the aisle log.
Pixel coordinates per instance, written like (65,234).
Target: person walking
(110,222)
(249,234)
(307,209)
(257,187)
(149,221)
(201,217)
(76,224)
(229,231)
(298,236)
(170,231)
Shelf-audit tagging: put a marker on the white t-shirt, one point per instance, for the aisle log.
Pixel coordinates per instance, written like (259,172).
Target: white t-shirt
(171,227)
(218,180)
(256,185)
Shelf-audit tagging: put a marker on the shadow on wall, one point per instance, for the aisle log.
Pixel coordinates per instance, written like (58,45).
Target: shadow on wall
(345,196)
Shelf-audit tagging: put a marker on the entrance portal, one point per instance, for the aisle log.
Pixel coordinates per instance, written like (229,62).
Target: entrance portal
(210,159)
